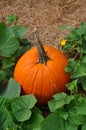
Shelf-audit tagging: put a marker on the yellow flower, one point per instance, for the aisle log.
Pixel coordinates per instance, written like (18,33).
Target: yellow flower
(63,42)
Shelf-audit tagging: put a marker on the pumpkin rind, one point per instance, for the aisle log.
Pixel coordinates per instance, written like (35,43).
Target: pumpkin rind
(39,79)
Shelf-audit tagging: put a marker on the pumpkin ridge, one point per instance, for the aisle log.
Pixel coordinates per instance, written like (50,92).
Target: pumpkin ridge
(19,70)
(53,85)
(51,72)
(35,80)
(29,77)
(40,86)
(26,75)
(47,71)
(42,82)
(54,74)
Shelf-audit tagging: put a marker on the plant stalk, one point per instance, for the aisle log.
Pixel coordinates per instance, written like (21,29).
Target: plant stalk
(43,58)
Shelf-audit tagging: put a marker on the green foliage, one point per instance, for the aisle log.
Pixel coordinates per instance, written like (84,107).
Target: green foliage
(66,111)
(6,121)
(55,122)
(12,46)
(8,42)
(20,115)
(18,112)
(13,18)
(35,121)
(21,107)
(19,31)
(69,112)
(60,100)
(11,90)
(76,48)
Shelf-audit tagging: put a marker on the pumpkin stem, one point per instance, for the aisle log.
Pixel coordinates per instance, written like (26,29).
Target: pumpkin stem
(43,58)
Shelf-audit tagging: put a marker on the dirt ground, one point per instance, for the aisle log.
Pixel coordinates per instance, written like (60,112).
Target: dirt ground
(46,16)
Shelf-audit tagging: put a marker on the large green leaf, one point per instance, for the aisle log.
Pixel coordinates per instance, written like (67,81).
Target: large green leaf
(35,121)
(59,100)
(54,122)
(21,107)
(19,31)
(7,63)
(81,107)
(75,119)
(76,68)
(81,30)
(8,41)
(11,90)
(79,70)
(6,122)
(3,101)
(84,126)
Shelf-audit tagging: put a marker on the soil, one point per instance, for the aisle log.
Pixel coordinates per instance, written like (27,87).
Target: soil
(45,15)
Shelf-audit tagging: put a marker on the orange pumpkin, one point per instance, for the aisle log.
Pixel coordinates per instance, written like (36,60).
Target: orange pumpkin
(41,72)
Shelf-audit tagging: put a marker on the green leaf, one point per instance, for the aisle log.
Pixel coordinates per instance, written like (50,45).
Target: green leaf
(83,47)
(84,127)
(12,18)
(84,59)
(9,72)
(60,96)
(22,49)
(79,70)
(80,30)
(63,114)
(3,101)
(67,69)
(81,107)
(36,119)
(21,107)
(2,76)
(59,100)
(54,122)
(8,42)
(74,35)
(72,86)
(85,36)
(34,123)
(25,42)
(75,119)
(82,81)
(19,31)
(12,89)
(2,26)
(70,67)
(6,119)
(7,63)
